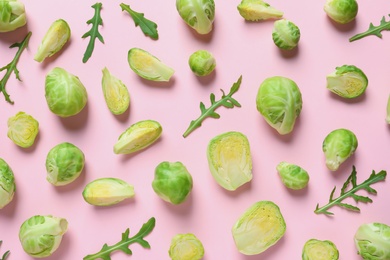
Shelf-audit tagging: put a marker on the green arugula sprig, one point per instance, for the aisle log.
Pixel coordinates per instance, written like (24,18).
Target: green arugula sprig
(123,245)
(373,30)
(226,101)
(344,193)
(94,33)
(11,67)
(149,28)
(6,254)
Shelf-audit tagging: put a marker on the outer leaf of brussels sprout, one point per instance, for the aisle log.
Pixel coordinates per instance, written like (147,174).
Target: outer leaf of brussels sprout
(198,14)
(186,247)
(22,129)
(202,63)
(293,176)
(320,250)
(115,93)
(372,241)
(285,34)
(341,11)
(257,10)
(7,184)
(12,15)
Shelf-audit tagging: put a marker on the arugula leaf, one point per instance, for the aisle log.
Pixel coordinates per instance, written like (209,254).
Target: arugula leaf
(6,254)
(344,193)
(123,245)
(149,28)
(94,33)
(373,30)
(226,101)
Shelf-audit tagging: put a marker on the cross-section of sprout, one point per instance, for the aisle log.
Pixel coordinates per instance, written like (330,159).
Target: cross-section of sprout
(22,129)
(285,34)
(315,249)
(186,247)
(202,63)
(115,93)
(372,241)
(293,176)
(7,184)
(198,14)
(12,15)
(256,10)
(341,11)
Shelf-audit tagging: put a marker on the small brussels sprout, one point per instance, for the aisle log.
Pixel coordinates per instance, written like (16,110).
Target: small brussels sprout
(338,146)
(260,227)
(186,247)
(41,236)
(286,34)
(7,184)
(107,191)
(22,129)
(320,250)
(347,81)
(293,176)
(256,10)
(341,11)
(198,14)
(148,66)
(64,163)
(279,100)
(55,38)
(202,63)
(372,241)
(230,160)
(138,136)
(172,182)
(115,93)
(12,15)
(65,94)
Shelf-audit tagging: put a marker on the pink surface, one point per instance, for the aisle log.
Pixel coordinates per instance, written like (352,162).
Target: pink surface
(240,48)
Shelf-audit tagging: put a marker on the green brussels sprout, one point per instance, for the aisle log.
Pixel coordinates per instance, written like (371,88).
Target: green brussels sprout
(347,81)
(341,11)
(198,14)
(186,247)
(172,182)
(7,184)
(138,136)
(285,34)
(202,63)
(372,241)
(320,250)
(55,38)
(260,227)
(256,10)
(230,160)
(115,93)
(338,146)
(293,176)
(279,100)
(65,94)
(41,236)
(64,163)
(12,15)
(22,129)
(148,66)
(107,191)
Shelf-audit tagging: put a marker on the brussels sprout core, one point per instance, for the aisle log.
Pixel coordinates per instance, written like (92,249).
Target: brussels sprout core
(256,10)
(320,250)
(285,34)
(7,184)
(12,15)
(341,11)
(186,247)
(202,63)
(22,129)
(198,14)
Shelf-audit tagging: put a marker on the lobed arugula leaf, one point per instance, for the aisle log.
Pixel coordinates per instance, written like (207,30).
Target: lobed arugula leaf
(6,254)
(93,33)
(373,30)
(149,28)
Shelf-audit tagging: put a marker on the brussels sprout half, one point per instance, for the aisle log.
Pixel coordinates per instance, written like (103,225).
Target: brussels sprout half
(372,241)
(12,15)
(198,14)
(22,129)
(315,249)
(341,11)
(256,10)
(186,247)
(285,34)
(202,63)
(115,93)
(293,176)
(7,184)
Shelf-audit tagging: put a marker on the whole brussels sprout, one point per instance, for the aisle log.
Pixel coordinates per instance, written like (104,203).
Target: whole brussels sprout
(12,15)
(293,176)
(372,241)
(115,93)
(257,10)
(22,129)
(315,249)
(198,14)
(341,11)
(186,247)
(286,34)
(202,63)
(7,184)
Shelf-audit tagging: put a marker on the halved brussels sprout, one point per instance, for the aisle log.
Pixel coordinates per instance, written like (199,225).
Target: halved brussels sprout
(115,93)
(315,249)
(12,15)
(293,176)
(198,14)
(341,11)
(186,247)
(202,63)
(7,184)
(22,129)
(372,241)
(255,10)
(285,34)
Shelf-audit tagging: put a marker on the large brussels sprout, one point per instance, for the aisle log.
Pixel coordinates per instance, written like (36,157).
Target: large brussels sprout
(64,163)
(198,14)
(186,247)
(40,235)
(12,15)
(22,129)
(115,93)
(65,94)
(372,241)
(260,227)
(257,10)
(293,176)
(285,34)
(202,63)
(341,11)
(315,249)
(279,100)
(7,184)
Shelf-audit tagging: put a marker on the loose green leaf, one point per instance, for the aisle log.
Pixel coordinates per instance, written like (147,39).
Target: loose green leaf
(149,28)
(373,30)
(94,33)
(226,101)
(345,193)
(123,245)
(6,254)
(11,67)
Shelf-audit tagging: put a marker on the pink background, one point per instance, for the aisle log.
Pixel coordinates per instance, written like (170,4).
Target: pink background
(240,48)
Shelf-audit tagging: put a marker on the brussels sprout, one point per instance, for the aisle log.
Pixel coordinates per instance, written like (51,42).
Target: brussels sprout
(255,10)
(338,146)
(198,14)
(202,63)
(293,176)
(107,191)
(172,182)
(115,93)
(260,227)
(55,38)
(40,235)
(286,34)
(279,100)
(148,66)
(22,129)
(186,247)
(138,136)
(64,163)
(7,184)
(347,81)
(12,15)
(320,250)
(65,94)
(341,11)
(230,160)
(372,241)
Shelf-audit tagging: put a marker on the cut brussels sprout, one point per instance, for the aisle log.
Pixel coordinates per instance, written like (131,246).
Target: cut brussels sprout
(22,129)
(198,14)
(315,249)
(202,63)
(230,160)
(372,241)
(115,93)
(260,227)
(107,191)
(7,184)
(285,34)
(186,247)
(256,10)
(341,11)
(293,176)
(12,15)
(148,66)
